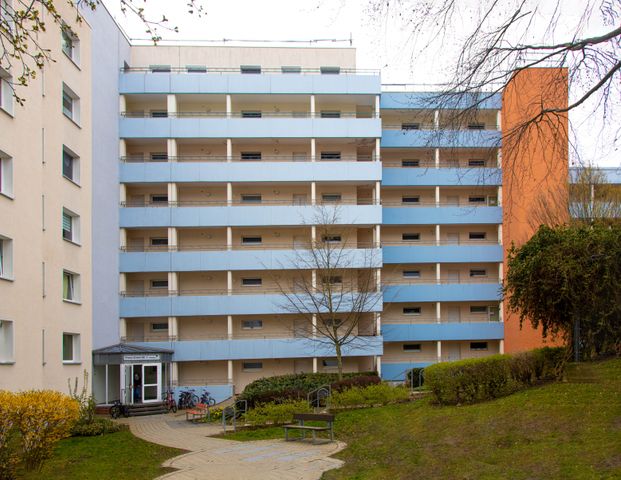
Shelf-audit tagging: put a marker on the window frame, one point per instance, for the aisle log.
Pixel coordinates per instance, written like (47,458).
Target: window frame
(67,34)
(326,197)
(252,198)
(484,346)
(158,284)
(250,69)
(253,282)
(251,114)
(74,114)
(413,234)
(7,342)
(245,238)
(410,199)
(415,163)
(483,238)
(414,274)
(412,347)
(252,366)
(76,353)
(416,311)
(252,324)
(71,293)
(75,165)
(159,324)
(330,156)
(74,225)
(6,258)
(6,175)
(250,156)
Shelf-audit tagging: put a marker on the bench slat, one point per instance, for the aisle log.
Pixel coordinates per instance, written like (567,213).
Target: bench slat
(304,427)
(321,417)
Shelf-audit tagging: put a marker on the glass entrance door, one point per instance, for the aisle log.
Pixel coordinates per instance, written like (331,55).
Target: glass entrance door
(127,395)
(151,382)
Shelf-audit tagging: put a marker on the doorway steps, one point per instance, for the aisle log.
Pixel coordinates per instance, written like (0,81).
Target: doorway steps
(142,409)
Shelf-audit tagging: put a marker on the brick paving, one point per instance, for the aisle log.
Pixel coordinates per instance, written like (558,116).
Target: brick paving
(221,459)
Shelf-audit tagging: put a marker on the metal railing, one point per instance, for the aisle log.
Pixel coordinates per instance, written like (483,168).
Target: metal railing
(319,399)
(443,281)
(441,127)
(249,290)
(429,164)
(247,116)
(264,158)
(240,248)
(206,70)
(234,412)
(432,203)
(234,203)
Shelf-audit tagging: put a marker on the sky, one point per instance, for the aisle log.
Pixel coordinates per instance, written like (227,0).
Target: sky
(382,42)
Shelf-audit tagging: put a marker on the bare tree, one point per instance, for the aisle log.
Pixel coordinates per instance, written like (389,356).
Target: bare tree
(336,288)
(23,54)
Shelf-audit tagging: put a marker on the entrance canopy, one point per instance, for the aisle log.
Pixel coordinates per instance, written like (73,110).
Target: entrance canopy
(126,354)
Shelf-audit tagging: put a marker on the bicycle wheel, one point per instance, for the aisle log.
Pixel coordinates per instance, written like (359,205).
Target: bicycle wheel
(173,406)
(211,402)
(115,411)
(194,400)
(125,411)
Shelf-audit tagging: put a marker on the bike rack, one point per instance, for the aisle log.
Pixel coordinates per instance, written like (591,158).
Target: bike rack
(240,407)
(314,397)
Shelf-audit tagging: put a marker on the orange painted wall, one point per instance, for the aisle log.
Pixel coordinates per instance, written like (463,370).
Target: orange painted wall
(534,170)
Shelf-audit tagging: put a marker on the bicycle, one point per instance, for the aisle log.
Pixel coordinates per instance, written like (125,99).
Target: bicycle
(118,408)
(207,399)
(187,399)
(169,401)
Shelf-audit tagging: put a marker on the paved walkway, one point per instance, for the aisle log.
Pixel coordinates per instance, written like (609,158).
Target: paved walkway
(220,459)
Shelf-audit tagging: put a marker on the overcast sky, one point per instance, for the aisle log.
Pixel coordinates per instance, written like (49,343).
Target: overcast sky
(384,43)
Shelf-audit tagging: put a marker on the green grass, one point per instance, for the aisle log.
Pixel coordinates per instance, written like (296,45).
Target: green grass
(560,431)
(119,456)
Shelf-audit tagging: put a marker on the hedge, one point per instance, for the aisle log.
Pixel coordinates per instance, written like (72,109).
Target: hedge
(276,413)
(369,396)
(480,379)
(294,386)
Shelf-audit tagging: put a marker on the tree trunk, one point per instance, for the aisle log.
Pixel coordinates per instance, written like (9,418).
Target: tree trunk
(339,360)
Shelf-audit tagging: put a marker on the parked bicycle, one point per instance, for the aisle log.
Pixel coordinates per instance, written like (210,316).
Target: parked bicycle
(169,401)
(118,408)
(187,399)
(207,399)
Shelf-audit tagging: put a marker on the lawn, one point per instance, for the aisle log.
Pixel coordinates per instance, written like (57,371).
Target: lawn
(116,456)
(566,430)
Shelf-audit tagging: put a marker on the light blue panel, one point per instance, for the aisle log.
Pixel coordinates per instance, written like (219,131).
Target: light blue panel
(442,254)
(251,172)
(233,260)
(441,176)
(265,215)
(443,331)
(396,372)
(434,100)
(146,82)
(183,306)
(261,348)
(250,127)
(219,392)
(440,215)
(466,292)
(440,138)
(608,175)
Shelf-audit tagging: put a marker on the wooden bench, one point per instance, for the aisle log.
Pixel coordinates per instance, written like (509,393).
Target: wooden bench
(311,417)
(199,411)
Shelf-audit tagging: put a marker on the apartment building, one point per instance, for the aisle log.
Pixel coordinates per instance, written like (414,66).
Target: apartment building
(45,215)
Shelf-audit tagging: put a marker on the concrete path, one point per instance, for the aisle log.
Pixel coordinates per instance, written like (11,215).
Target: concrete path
(220,459)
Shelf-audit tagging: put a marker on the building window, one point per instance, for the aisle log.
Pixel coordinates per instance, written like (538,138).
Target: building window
(6,175)
(476,199)
(71,348)
(252,366)
(478,273)
(252,240)
(291,69)
(477,235)
(331,197)
(411,273)
(71,104)
(331,238)
(478,309)
(6,257)
(412,347)
(476,126)
(159,241)
(478,345)
(6,92)
(410,199)
(6,341)
(410,163)
(330,70)
(71,165)
(252,324)
(251,156)
(410,126)
(250,69)
(251,198)
(159,284)
(251,282)
(251,114)
(412,310)
(330,114)
(70,43)
(159,68)
(158,114)
(333,280)
(330,363)
(410,237)
(71,226)
(159,156)
(473,162)
(71,286)
(196,68)
(330,155)
(159,198)
(159,327)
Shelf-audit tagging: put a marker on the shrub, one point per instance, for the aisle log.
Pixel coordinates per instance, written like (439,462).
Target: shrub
(376,394)
(8,453)
(480,379)
(276,413)
(98,426)
(294,386)
(43,417)
(85,401)
(359,381)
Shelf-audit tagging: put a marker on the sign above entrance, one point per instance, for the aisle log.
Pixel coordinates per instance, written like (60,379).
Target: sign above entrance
(142,357)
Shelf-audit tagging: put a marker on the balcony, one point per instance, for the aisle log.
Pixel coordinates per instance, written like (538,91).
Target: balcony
(396,137)
(204,214)
(212,302)
(443,175)
(269,169)
(213,258)
(443,331)
(444,253)
(397,97)
(215,80)
(430,213)
(210,350)
(444,290)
